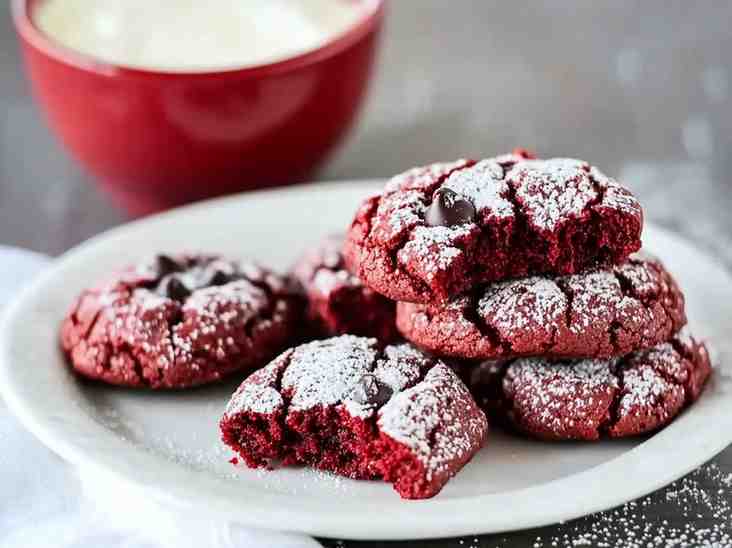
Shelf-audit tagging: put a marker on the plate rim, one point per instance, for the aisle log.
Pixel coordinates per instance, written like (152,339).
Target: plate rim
(408,520)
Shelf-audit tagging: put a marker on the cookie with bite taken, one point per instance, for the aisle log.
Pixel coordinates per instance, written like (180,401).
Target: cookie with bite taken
(439,230)
(349,406)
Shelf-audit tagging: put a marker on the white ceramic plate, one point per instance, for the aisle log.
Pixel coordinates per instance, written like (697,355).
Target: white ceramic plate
(166,444)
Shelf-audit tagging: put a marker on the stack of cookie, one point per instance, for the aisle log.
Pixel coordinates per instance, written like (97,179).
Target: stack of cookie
(525,267)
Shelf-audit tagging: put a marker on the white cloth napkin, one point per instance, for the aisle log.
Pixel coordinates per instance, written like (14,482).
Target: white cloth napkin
(45,502)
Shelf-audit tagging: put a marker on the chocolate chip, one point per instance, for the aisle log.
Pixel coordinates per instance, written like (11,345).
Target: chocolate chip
(172,287)
(369,391)
(218,277)
(449,209)
(165,265)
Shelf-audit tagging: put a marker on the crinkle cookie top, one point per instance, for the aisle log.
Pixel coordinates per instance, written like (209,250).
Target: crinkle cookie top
(178,321)
(405,391)
(598,313)
(584,399)
(439,229)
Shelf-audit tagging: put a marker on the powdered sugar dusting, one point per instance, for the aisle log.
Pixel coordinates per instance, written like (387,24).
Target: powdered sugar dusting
(423,177)
(597,298)
(552,191)
(693,512)
(426,406)
(147,300)
(560,394)
(643,280)
(397,214)
(141,321)
(179,321)
(322,372)
(241,293)
(434,249)
(215,313)
(596,313)
(438,434)
(407,211)
(484,186)
(667,360)
(615,195)
(259,393)
(644,387)
(517,304)
(549,192)
(512,197)
(402,366)
(625,396)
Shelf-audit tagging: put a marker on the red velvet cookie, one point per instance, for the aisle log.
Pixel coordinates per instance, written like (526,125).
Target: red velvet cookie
(347,406)
(338,302)
(586,399)
(598,313)
(176,322)
(439,230)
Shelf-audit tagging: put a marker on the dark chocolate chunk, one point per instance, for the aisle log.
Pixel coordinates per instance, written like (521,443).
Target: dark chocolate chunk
(448,208)
(217,277)
(369,391)
(165,265)
(212,276)
(173,288)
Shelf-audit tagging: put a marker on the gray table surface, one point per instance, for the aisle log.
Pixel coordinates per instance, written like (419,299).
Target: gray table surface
(640,89)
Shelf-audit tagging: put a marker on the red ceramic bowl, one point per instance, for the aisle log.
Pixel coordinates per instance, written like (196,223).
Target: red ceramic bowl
(157,139)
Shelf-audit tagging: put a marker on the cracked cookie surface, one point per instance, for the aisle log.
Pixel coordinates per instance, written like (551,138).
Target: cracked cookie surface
(338,302)
(436,231)
(180,321)
(598,313)
(587,399)
(348,406)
